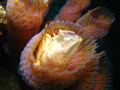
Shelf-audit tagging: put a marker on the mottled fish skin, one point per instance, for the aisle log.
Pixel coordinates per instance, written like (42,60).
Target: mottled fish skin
(103,80)
(33,72)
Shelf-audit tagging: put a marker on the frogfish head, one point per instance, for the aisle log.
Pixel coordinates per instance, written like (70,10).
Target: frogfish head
(56,57)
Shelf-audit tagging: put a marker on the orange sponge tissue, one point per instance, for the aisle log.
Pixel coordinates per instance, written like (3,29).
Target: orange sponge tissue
(24,18)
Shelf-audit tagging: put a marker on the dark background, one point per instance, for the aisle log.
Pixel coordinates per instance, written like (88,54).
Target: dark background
(8,67)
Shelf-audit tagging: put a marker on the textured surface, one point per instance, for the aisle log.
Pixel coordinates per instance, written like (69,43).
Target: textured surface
(23,22)
(72,10)
(27,15)
(33,74)
(97,21)
(109,43)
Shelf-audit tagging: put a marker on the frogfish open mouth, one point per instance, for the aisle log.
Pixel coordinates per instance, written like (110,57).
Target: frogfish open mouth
(61,54)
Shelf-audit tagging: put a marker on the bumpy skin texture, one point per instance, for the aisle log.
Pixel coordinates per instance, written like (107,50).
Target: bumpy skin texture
(97,21)
(88,77)
(40,77)
(72,10)
(24,18)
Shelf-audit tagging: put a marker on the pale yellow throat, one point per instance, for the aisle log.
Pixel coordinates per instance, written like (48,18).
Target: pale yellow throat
(57,50)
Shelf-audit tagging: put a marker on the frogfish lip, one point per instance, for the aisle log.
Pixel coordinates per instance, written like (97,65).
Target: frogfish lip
(45,65)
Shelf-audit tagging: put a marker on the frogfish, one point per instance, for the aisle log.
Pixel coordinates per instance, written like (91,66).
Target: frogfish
(60,55)
(63,55)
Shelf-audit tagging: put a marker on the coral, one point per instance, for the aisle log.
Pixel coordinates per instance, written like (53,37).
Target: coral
(72,10)
(97,21)
(24,21)
(3,21)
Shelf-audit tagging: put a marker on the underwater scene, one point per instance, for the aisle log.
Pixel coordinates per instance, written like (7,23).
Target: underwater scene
(59,45)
